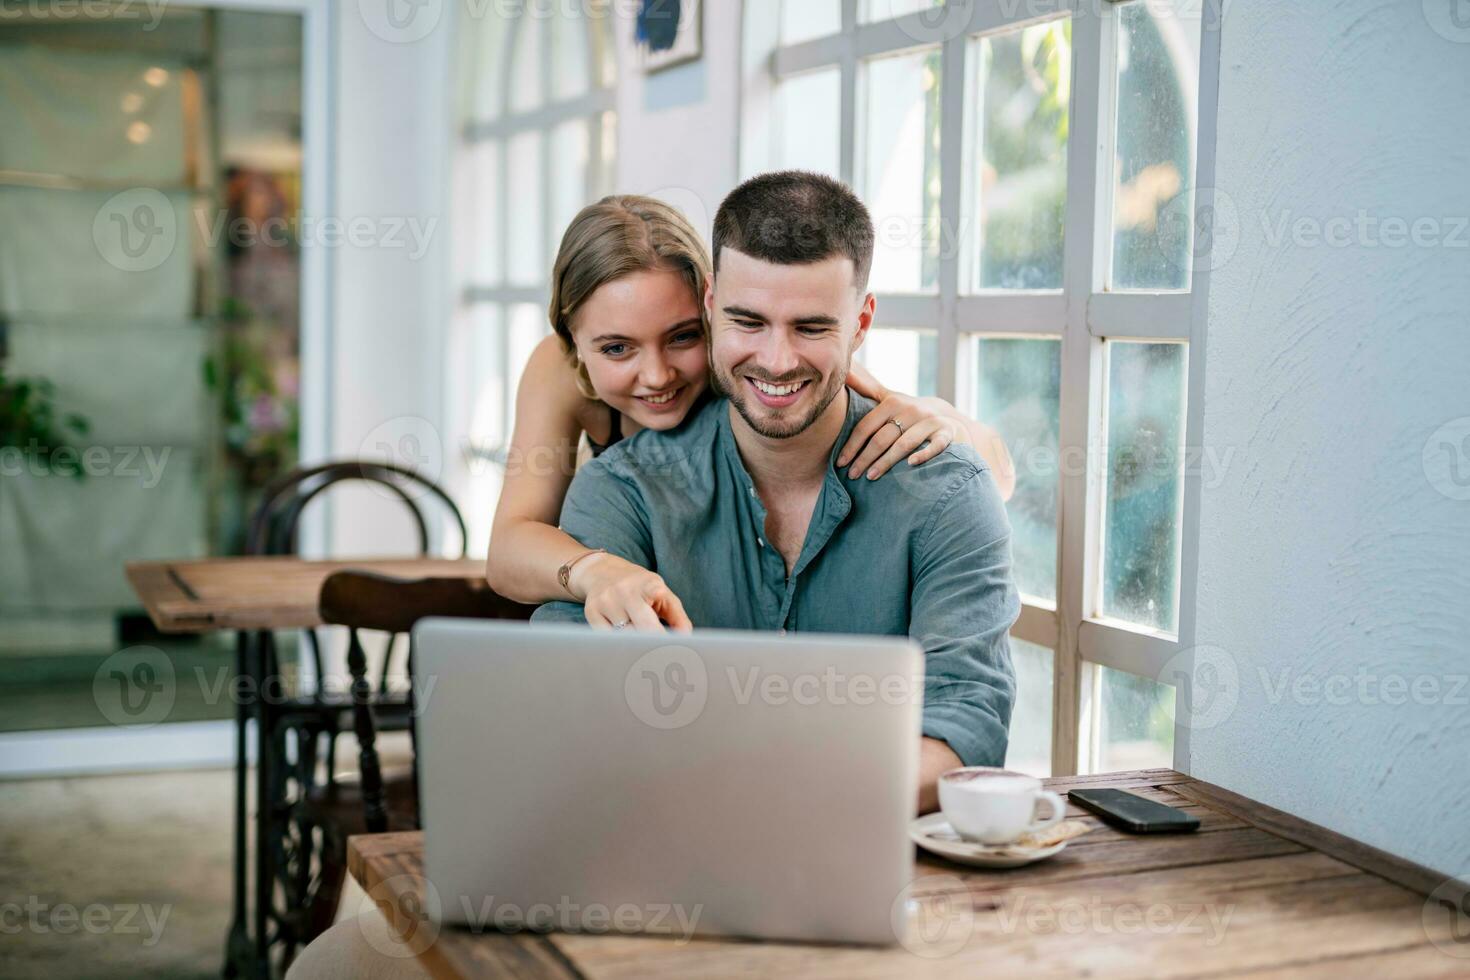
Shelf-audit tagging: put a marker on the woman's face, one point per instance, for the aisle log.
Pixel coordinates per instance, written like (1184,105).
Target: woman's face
(642,339)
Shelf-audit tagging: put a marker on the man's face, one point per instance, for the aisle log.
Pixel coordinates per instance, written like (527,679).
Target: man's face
(782,337)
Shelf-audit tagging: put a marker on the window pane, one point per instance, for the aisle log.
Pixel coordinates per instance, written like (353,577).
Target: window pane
(607,135)
(571,57)
(1020,190)
(487,54)
(901,170)
(1135,730)
(906,361)
(527,326)
(485,159)
(1158,80)
(569,149)
(1018,391)
(481,398)
(808,120)
(871,10)
(1145,399)
(525,72)
(802,20)
(524,204)
(604,53)
(1030,745)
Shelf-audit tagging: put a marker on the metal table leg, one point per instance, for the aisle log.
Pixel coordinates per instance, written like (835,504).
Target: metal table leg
(239,957)
(264,886)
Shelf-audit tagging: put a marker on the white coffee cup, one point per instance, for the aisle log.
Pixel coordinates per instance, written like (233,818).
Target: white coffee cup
(996,806)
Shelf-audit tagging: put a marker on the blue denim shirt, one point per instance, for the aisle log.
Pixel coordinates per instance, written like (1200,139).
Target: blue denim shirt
(923,551)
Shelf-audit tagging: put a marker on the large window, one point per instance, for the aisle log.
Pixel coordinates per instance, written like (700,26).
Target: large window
(1030,170)
(538,133)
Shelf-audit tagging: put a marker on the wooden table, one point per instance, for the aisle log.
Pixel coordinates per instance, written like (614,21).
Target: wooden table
(1255,892)
(259,593)
(254,596)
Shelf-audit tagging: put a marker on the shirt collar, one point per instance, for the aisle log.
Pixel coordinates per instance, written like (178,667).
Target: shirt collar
(857,407)
(835,502)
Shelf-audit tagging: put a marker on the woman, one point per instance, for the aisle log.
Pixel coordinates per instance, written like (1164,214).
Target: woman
(628,353)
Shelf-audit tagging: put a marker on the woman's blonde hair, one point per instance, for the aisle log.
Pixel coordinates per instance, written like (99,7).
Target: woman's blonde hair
(614,238)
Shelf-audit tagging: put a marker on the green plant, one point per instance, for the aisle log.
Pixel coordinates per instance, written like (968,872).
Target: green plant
(29,421)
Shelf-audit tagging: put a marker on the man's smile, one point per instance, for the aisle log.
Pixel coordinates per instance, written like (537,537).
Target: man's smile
(777,396)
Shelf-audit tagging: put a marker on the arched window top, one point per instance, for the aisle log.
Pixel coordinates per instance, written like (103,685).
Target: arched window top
(537,57)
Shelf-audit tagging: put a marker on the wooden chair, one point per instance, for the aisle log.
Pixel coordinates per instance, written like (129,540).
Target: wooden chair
(296,725)
(375,801)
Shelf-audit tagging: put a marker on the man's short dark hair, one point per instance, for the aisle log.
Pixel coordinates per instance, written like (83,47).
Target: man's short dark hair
(793,217)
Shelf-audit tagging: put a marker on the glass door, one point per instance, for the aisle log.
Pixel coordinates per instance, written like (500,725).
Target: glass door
(150,284)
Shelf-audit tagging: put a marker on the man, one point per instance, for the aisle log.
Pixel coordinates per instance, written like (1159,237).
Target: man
(744,514)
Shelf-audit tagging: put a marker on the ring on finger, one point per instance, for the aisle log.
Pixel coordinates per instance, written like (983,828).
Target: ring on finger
(897,423)
(622,625)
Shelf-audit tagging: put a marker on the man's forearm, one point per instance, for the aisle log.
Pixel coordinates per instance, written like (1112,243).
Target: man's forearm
(935,759)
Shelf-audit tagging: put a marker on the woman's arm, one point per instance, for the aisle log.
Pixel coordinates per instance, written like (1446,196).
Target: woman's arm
(527,549)
(876,446)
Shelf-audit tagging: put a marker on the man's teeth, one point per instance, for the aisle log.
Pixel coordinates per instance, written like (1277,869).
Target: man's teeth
(777,390)
(663,399)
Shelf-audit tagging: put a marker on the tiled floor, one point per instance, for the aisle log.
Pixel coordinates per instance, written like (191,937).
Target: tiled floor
(115,876)
(127,876)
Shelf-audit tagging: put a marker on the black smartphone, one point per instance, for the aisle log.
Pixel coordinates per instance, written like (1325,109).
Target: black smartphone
(1133,813)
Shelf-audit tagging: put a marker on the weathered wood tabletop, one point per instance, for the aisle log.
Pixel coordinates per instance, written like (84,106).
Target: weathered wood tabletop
(260,593)
(1254,892)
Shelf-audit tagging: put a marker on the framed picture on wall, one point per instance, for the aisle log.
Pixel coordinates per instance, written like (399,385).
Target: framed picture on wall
(668,32)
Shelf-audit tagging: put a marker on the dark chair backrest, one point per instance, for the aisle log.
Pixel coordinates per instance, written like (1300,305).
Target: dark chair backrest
(366,600)
(274,525)
(275,522)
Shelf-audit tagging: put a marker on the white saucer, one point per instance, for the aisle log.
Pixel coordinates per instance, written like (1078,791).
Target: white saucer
(933,833)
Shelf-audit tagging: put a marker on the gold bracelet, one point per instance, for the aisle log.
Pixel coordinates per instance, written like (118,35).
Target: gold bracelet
(564,573)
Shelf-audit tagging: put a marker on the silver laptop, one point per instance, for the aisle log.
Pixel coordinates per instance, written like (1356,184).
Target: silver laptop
(720,783)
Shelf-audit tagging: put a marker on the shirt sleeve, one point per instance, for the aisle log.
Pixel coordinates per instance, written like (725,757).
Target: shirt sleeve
(603,509)
(964,603)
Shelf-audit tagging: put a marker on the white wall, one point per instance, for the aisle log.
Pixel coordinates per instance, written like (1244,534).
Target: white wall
(392,126)
(1330,553)
(678,129)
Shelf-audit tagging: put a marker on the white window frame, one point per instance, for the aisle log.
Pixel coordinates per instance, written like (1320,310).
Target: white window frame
(596,108)
(1083,314)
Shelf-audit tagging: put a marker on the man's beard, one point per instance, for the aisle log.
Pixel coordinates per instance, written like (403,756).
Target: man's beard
(775,423)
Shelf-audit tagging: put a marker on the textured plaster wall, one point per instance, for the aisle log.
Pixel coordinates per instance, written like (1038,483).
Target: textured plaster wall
(1335,550)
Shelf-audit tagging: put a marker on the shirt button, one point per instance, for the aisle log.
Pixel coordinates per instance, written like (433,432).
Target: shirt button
(750,490)
(760,542)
